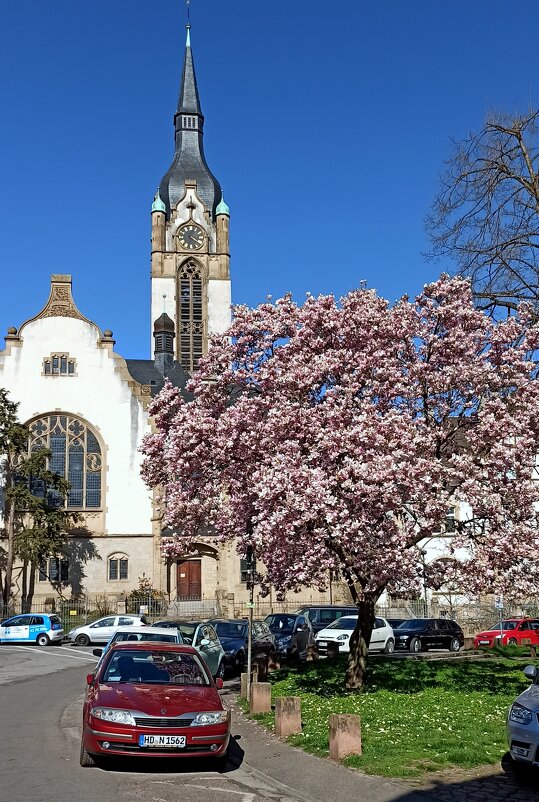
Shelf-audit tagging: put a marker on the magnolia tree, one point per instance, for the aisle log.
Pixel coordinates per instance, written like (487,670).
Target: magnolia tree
(336,434)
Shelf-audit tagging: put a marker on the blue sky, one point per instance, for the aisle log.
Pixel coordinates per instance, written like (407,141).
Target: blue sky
(327,124)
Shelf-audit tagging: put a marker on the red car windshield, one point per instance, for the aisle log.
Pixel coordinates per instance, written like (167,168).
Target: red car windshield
(155,667)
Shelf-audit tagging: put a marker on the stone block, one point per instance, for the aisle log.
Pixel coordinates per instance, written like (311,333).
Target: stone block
(260,701)
(287,715)
(262,666)
(468,643)
(243,685)
(344,735)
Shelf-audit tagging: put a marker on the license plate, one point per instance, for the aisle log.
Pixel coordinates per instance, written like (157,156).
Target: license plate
(484,642)
(162,741)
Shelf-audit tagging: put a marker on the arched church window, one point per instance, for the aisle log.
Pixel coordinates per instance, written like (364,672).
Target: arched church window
(190,315)
(75,455)
(118,567)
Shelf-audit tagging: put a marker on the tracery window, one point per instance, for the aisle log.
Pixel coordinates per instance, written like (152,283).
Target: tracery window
(190,315)
(118,567)
(75,455)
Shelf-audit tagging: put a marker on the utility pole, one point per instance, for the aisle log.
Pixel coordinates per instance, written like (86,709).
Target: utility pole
(250,565)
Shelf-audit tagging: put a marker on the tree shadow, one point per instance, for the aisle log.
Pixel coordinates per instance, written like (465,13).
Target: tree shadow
(177,764)
(515,781)
(326,677)
(78,552)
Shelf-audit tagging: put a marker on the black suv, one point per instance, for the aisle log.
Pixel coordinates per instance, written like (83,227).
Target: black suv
(421,634)
(323,615)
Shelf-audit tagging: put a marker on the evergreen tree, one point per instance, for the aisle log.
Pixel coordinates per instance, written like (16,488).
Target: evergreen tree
(35,521)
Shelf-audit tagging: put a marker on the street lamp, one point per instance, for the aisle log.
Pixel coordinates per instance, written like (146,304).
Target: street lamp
(250,564)
(423,553)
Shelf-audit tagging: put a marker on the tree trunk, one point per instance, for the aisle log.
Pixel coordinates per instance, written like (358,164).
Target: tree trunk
(24,605)
(10,533)
(31,585)
(359,645)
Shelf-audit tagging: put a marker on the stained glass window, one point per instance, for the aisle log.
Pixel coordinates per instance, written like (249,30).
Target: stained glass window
(75,455)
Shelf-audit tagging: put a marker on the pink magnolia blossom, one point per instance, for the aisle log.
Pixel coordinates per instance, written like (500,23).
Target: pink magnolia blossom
(336,434)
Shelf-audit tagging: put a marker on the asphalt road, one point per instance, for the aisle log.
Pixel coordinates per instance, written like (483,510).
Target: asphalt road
(41,693)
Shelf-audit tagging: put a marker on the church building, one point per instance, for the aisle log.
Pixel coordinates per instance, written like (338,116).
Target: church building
(89,406)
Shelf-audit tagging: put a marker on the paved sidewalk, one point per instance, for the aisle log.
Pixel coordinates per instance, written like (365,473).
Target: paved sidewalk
(315,779)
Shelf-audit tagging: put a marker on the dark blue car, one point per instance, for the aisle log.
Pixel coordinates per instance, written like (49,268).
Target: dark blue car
(233,636)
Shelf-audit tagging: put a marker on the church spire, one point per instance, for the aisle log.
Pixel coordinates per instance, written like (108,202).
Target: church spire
(189,161)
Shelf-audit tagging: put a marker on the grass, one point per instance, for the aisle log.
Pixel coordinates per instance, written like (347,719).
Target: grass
(416,716)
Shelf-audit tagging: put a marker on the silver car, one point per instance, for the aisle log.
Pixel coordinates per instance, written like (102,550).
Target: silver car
(523,722)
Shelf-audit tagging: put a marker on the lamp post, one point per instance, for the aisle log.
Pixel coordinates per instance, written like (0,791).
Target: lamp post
(250,565)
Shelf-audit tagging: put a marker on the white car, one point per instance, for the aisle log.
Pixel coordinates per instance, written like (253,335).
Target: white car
(523,722)
(135,633)
(339,632)
(100,631)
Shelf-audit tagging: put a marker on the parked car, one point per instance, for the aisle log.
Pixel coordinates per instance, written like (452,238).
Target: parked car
(153,700)
(293,634)
(395,622)
(203,637)
(233,636)
(322,615)
(40,628)
(135,634)
(514,631)
(421,634)
(339,632)
(100,631)
(523,722)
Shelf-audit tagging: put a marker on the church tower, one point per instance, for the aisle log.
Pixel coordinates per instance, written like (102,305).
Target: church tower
(190,234)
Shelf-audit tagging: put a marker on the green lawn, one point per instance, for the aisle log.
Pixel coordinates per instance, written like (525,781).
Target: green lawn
(416,716)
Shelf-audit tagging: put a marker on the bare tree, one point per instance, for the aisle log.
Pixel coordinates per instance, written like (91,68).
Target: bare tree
(486,213)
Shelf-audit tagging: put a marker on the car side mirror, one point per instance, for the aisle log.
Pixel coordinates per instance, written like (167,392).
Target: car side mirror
(204,642)
(530,672)
(97,652)
(219,683)
(90,679)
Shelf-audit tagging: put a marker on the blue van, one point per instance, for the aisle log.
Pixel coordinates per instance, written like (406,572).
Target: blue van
(40,628)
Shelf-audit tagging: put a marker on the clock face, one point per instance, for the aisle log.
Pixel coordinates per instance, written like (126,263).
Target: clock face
(191,237)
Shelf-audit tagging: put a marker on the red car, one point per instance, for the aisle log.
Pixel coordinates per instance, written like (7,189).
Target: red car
(153,700)
(514,631)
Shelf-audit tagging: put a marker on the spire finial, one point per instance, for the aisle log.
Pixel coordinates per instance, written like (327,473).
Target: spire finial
(164,303)
(188,25)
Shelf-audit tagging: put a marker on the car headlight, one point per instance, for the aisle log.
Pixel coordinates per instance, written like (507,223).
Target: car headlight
(520,714)
(343,637)
(205,719)
(112,715)
(71,632)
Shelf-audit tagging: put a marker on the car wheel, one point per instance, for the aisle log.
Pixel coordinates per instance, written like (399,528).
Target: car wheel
(221,670)
(42,639)
(454,645)
(390,646)
(82,640)
(86,759)
(415,645)
(512,642)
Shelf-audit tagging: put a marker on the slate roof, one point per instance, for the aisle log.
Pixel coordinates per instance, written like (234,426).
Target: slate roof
(189,161)
(145,371)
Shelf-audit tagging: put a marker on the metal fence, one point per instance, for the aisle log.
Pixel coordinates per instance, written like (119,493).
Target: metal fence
(473,617)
